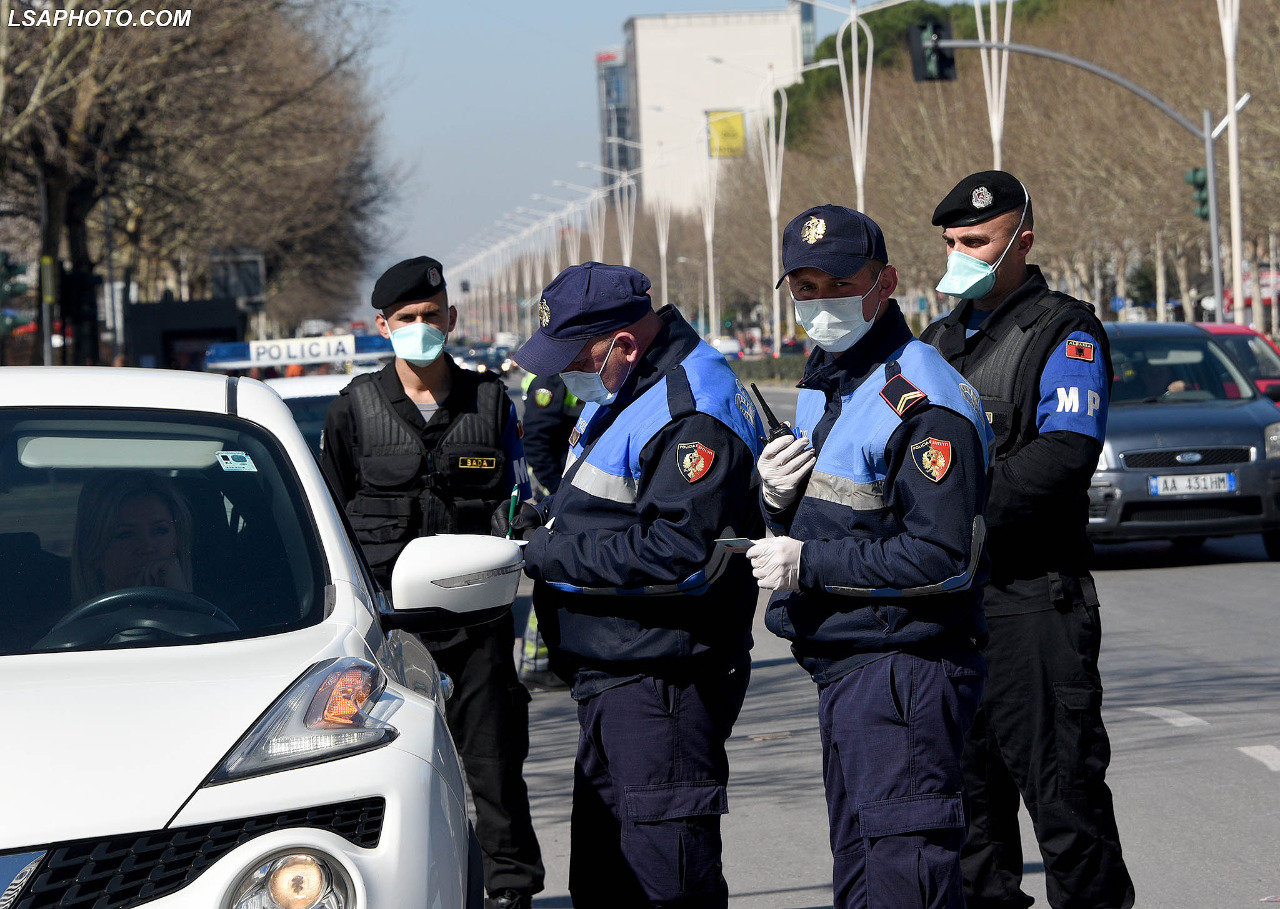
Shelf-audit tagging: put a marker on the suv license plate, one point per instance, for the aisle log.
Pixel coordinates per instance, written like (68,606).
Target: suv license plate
(1183,484)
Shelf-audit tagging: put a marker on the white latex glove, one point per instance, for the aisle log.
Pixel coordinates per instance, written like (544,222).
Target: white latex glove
(775,561)
(783,466)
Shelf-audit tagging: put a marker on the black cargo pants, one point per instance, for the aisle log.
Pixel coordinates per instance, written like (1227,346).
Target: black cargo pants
(1039,734)
(488,715)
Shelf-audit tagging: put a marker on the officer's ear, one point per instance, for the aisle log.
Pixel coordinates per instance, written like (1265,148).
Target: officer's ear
(453,319)
(626,344)
(380,323)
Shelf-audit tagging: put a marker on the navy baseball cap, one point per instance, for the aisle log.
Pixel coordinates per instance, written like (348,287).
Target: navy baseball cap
(832,238)
(582,302)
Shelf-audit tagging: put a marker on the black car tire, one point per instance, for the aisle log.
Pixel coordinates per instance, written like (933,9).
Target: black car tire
(1271,540)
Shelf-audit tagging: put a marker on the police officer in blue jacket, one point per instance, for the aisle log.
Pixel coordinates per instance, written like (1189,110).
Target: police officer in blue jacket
(876,563)
(1041,362)
(646,618)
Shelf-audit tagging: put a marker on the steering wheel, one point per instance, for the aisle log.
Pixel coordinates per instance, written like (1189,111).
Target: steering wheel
(164,609)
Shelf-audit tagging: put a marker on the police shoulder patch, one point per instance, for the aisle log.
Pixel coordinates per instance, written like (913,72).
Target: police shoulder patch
(932,457)
(542,397)
(1080,350)
(900,394)
(694,460)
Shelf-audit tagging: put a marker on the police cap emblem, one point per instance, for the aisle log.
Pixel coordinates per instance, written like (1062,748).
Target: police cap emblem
(982,197)
(433,277)
(814,230)
(544,313)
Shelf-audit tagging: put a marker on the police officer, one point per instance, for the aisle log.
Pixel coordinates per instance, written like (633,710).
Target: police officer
(876,564)
(424,447)
(550,412)
(647,619)
(1041,362)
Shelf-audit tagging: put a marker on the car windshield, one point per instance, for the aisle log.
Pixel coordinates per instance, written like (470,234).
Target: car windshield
(1159,370)
(126,528)
(1257,357)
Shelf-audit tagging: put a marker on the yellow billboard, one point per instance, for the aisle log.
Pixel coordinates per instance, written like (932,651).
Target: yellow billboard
(726,134)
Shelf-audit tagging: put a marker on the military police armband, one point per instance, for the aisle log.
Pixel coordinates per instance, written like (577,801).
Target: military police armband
(900,394)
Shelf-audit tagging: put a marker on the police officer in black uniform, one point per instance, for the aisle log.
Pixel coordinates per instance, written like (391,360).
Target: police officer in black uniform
(425,447)
(646,617)
(1041,362)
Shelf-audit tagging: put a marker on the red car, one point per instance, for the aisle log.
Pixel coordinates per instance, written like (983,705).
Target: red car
(1255,352)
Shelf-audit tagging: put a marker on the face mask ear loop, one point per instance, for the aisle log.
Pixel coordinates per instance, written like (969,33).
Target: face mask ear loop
(1018,230)
(874,283)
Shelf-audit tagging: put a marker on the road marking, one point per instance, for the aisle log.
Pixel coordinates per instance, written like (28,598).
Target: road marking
(1171,716)
(1269,755)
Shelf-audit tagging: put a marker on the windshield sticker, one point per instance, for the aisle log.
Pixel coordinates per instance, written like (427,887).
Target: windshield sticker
(236,460)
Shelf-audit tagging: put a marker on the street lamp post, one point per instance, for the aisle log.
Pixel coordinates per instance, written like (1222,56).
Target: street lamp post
(773,147)
(593,208)
(624,205)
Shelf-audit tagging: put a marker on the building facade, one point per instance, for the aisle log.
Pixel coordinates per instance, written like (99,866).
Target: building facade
(686,84)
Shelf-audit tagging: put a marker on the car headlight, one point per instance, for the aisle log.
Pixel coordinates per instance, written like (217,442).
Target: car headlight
(303,880)
(322,716)
(1271,435)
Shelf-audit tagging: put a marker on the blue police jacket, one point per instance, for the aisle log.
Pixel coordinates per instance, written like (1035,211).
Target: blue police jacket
(892,514)
(629,580)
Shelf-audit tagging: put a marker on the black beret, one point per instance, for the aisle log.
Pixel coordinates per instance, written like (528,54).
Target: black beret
(980,197)
(410,280)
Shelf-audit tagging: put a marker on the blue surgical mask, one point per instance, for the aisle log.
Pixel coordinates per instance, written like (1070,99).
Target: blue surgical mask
(835,323)
(419,343)
(972,279)
(589,386)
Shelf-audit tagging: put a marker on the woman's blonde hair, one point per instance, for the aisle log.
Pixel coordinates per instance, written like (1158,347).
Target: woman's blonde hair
(96,516)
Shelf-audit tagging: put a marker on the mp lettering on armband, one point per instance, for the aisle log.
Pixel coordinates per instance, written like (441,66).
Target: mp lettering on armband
(1073,389)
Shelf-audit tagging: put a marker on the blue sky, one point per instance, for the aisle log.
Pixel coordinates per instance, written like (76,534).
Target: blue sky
(485,102)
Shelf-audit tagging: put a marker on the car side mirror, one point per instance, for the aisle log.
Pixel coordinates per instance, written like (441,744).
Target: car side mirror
(1273,392)
(451,581)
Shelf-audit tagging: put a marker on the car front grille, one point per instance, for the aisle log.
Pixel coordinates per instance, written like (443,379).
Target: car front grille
(1192,512)
(1168,457)
(132,869)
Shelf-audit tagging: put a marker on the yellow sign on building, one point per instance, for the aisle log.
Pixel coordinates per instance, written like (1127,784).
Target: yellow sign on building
(726,134)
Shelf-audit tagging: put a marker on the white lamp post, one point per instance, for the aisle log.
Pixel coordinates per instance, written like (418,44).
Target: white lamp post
(624,205)
(593,207)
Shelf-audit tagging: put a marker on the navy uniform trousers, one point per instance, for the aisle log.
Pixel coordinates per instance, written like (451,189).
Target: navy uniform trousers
(1039,732)
(649,790)
(892,735)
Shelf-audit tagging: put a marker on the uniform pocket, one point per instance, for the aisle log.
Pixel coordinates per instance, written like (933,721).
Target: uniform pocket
(380,518)
(391,471)
(1081,744)
(673,830)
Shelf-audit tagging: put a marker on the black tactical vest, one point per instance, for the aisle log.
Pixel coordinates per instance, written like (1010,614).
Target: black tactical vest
(408,490)
(1004,363)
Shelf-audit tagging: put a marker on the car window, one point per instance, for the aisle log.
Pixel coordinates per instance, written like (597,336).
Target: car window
(141,528)
(1153,370)
(1257,357)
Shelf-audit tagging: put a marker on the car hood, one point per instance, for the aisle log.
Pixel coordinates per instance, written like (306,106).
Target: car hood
(115,741)
(1146,426)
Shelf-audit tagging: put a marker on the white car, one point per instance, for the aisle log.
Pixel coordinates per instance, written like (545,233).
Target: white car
(216,707)
(309,398)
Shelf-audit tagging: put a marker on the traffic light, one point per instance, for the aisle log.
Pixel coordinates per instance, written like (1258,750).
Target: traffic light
(8,272)
(930,63)
(1198,177)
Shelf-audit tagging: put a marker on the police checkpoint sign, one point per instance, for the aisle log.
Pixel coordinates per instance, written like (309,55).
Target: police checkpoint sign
(319,349)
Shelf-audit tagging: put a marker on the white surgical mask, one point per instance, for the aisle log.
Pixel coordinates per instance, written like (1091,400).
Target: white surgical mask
(835,323)
(589,386)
